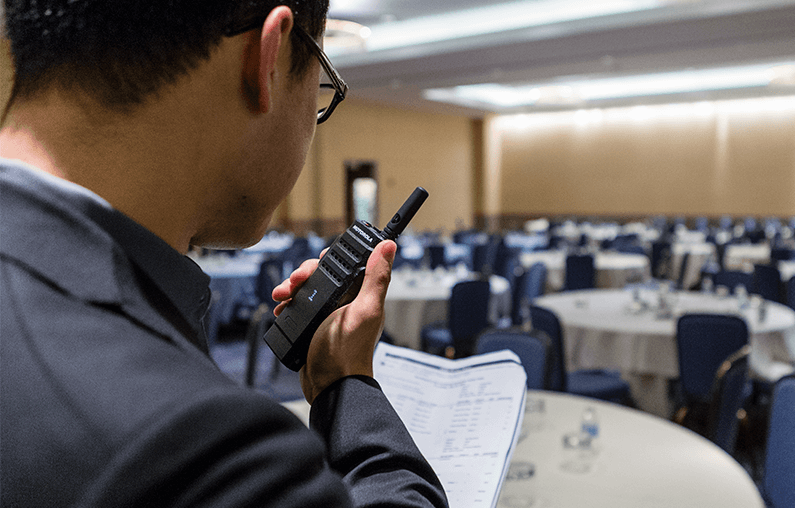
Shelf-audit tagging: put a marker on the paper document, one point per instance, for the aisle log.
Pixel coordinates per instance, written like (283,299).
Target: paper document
(465,415)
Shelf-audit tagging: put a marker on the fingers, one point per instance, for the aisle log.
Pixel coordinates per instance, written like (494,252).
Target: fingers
(287,289)
(377,275)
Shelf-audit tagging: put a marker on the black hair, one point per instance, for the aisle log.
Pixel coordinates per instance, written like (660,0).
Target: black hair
(120,52)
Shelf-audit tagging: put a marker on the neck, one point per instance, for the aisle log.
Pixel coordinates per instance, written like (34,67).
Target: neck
(158,165)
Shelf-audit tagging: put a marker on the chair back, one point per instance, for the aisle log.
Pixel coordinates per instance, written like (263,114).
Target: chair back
(781,254)
(733,278)
(680,277)
(531,347)
(271,274)
(660,253)
(546,321)
(436,255)
(790,300)
(484,256)
(468,313)
(580,272)
(704,341)
(529,286)
(766,282)
(778,486)
(728,390)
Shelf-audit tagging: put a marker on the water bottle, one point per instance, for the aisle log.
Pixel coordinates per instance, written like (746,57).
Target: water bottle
(589,427)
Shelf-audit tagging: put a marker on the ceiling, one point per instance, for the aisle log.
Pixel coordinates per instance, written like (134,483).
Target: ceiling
(579,40)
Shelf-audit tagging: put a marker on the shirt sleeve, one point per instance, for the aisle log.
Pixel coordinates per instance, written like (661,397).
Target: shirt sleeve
(370,447)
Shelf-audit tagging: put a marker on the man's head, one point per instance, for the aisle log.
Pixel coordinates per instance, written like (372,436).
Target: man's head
(121,52)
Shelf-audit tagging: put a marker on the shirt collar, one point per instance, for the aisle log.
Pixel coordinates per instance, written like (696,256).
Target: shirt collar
(180,279)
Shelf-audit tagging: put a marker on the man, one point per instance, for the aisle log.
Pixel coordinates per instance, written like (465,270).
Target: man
(135,130)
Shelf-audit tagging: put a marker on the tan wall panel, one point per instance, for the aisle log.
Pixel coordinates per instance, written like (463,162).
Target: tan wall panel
(704,159)
(410,148)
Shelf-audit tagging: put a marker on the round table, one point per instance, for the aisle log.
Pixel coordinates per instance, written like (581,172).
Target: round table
(602,329)
(697,256)
(416,298)
(639,461)
(787,270)
(613,269)
(743,257)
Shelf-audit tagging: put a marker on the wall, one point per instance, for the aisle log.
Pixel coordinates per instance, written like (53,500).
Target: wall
(6,72)
(734,157)
(410,148)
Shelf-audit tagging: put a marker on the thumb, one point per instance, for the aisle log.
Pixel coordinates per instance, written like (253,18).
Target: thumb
(377,275)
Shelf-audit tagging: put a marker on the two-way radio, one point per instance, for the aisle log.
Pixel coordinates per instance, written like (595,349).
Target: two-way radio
(334,283)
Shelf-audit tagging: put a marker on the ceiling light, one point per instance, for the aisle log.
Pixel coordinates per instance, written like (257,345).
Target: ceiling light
(344,37)
(573,92)
(495,19)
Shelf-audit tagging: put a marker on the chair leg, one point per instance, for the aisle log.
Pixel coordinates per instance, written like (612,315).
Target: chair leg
(254,333)
(680,415)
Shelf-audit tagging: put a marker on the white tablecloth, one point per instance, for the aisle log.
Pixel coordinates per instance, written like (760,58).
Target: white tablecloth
(601,332)
(641,461)
(787,269)
(697,256)
(419,297)
(613,269)
(743,257)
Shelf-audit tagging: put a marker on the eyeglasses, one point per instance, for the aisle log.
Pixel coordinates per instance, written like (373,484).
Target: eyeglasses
(330,79)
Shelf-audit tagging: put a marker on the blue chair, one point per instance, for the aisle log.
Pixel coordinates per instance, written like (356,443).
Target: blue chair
(766,282)
(529,286)
(778,486)
(437,256)
(733,278)
(680,278)
(532,348)
(781,253)
(580,272)
(660,255)
(730,389)
(595,383)
(271,274)
(485,256)
(467,316)
(790,299)
(704,342)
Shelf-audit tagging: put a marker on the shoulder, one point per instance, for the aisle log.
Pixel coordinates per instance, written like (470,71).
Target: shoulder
(227,447)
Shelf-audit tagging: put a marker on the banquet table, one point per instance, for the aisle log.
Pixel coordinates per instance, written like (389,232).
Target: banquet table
(787,270)
(607,329)
(697,256)
(613,269)
(416,298)
(638,460)
(743,257)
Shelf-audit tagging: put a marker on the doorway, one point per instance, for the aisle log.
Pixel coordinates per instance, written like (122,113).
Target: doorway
(361,184)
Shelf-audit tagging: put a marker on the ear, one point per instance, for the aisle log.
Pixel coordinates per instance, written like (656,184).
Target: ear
(261,62)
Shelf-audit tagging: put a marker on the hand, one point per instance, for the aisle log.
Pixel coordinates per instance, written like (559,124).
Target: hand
(345,342)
